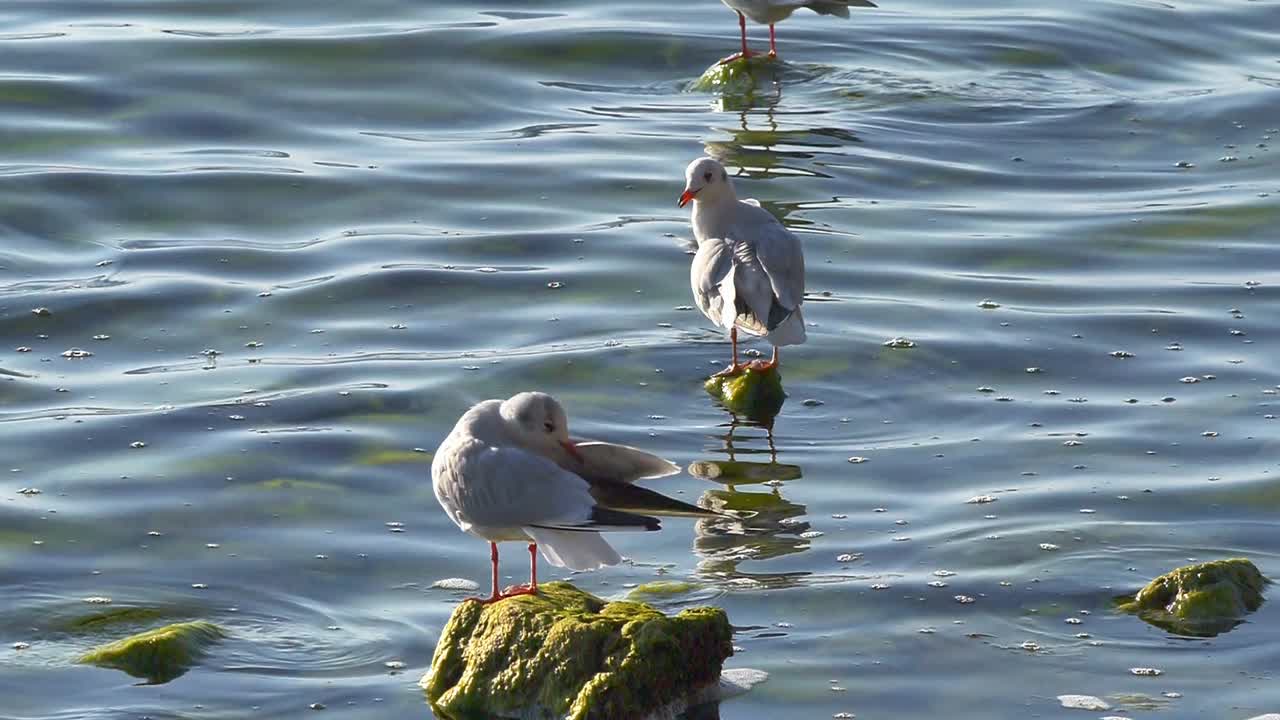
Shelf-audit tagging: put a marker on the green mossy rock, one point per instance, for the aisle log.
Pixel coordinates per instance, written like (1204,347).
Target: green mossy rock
(738,76)
(566,654)
(752,393)
(159,655)
(1200,600)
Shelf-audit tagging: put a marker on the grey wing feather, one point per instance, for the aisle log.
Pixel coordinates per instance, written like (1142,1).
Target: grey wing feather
(751,291)
(509,487)
(602,461)
(711,265)
(780,254)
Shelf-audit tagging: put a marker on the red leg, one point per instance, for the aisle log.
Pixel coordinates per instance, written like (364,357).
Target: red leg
(746,53)
(494,595)
(773,43)
(533,566)
(532,587)
(773,362)
(736,367)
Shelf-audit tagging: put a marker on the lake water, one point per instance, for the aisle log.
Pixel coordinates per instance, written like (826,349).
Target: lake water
(299,239)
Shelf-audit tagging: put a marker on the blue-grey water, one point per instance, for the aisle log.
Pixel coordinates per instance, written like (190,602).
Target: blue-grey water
(299,239)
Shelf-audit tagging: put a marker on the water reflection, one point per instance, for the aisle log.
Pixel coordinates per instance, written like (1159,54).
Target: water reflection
(763,149)
(770,526)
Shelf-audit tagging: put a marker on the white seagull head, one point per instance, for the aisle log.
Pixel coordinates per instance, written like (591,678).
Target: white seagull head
(706,180)
(539,424)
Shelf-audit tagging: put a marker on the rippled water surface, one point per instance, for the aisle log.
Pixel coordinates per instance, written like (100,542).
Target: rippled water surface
(298,239)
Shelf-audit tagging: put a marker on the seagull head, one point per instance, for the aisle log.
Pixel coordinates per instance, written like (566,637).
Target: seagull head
(539,423)
(706,180)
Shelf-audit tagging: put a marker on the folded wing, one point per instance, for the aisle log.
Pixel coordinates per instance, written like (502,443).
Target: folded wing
(619,463)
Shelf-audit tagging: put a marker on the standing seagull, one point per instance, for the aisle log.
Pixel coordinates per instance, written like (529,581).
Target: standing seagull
(748,272)
(510,472)
(771,12)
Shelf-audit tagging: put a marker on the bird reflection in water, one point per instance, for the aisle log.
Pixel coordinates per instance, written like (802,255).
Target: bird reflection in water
(769,527)
(769,143)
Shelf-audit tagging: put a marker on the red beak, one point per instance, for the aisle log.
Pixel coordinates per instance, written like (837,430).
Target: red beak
(686,197)
(572,450)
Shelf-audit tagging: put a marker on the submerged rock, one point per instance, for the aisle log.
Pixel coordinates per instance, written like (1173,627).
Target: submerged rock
(661,589)
(752,393)
(737,76)
(159,655)
(564,653)
(1200,600)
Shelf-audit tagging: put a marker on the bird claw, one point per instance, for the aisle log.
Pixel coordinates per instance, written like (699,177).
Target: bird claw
(737,56)
(516,590)
(733,370)
(512,591)
(762,366)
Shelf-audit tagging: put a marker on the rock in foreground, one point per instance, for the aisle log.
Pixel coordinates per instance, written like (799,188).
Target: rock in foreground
(567,654)
(1200,600)
(159,655)
(752,393)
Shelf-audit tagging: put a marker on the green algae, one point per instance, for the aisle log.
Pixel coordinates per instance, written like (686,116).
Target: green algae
(567,654)
(738,76)
(158,655)
(1201,600)
(752,393)
(297,484)
(662,589)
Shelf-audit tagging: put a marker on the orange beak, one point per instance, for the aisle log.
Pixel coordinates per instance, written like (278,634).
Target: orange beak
(686,197)
(572,450)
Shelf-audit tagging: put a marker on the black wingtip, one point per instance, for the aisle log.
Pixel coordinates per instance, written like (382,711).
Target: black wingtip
(617,518)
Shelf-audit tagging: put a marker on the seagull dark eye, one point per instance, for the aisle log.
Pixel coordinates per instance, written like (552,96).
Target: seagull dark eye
(550,426)
(707,177)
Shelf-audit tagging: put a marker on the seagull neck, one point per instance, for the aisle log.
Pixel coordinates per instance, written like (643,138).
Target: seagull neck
(710,216)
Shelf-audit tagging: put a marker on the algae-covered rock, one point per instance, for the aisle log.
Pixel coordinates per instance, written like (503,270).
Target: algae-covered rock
(564,653)
(1200,600)
(752,393)
(158,655)
(737,76)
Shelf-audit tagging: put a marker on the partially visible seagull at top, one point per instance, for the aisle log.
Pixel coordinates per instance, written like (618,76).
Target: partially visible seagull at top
(771,12)
(509,471)
(748,272)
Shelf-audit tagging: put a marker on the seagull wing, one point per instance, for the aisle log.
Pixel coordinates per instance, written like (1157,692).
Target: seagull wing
(711,265)
(504,487)
(779,254)
(602,461)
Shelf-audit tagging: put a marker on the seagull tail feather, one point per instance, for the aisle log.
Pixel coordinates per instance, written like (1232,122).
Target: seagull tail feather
(574,550)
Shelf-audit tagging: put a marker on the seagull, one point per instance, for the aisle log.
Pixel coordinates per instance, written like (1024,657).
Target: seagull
(509,471)
(771,12)
(748,272)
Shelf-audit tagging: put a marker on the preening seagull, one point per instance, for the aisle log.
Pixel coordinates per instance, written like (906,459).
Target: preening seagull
(509,471)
